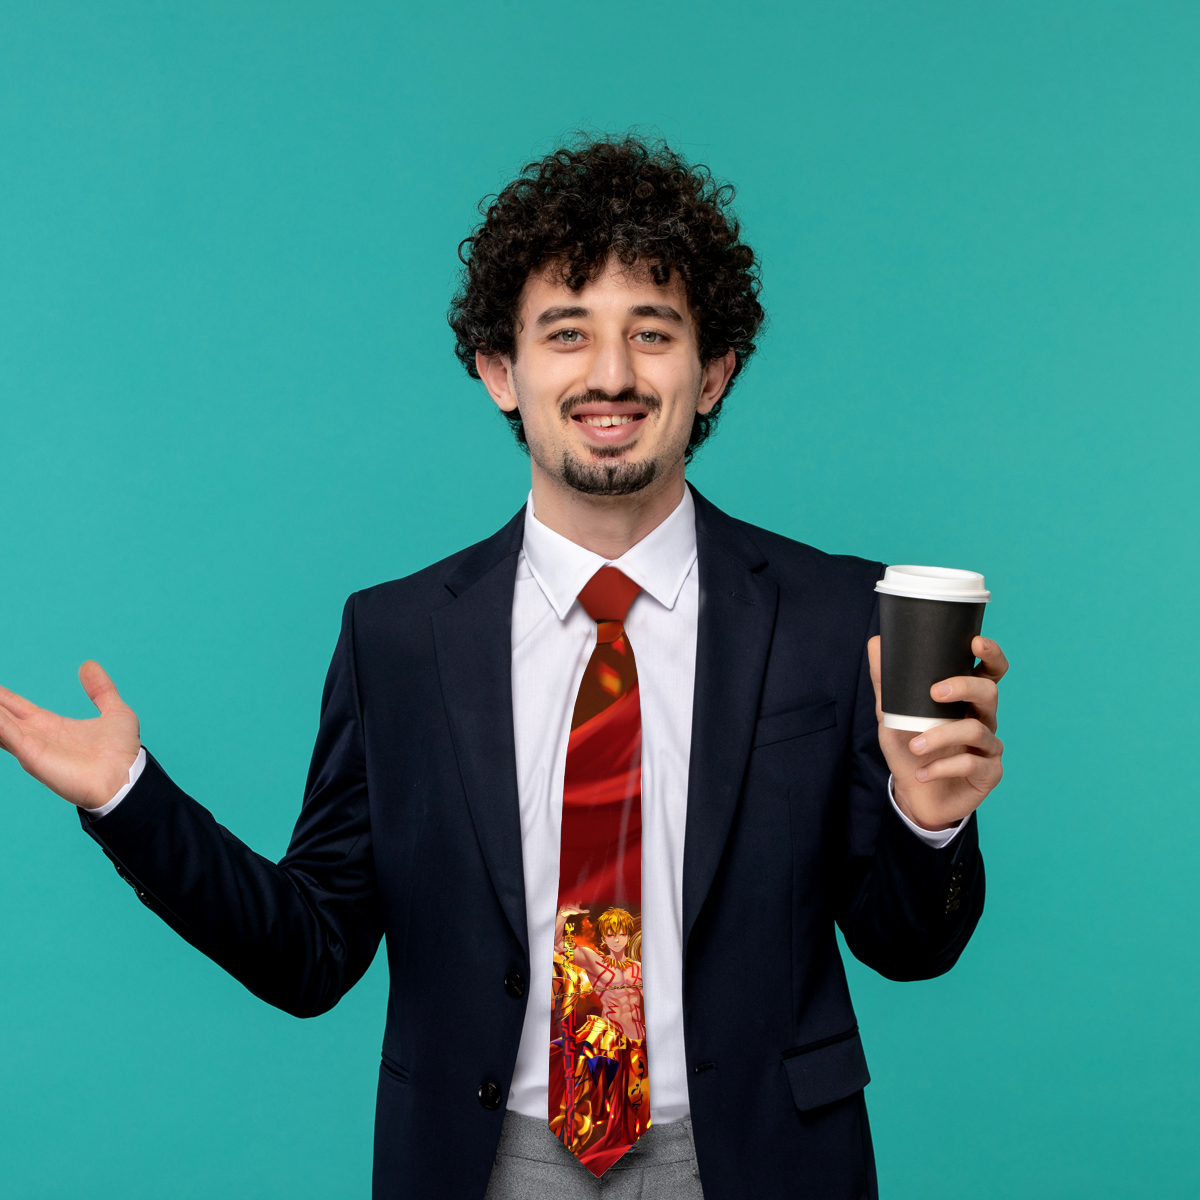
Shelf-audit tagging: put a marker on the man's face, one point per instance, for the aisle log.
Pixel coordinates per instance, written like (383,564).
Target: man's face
(608,379)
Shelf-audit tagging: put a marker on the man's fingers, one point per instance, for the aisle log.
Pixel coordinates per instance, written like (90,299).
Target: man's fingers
(971,688)
(971,732)
(100,689)
(10,732)
(982,693)
(18,706)
(992,663)
(983,772)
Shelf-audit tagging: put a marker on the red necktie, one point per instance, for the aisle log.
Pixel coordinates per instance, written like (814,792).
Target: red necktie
(599,1082)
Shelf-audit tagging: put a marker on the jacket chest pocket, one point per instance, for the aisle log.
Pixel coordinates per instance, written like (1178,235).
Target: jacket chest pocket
(796,723)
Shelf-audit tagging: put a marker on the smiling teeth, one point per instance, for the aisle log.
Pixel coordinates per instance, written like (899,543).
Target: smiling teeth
(606,421)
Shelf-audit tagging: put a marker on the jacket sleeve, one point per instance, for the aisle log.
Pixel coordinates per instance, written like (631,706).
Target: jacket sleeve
(300,933)
(906,909)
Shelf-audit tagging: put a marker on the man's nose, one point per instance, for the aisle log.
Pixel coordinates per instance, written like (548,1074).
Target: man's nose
(611,368)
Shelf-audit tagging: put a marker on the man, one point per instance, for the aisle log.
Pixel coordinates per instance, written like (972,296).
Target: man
(625,698)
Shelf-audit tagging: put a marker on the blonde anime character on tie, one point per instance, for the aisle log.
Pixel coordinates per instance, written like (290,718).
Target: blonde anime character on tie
(610,1104)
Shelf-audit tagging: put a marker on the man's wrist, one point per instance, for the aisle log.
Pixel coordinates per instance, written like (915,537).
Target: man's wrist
(938,839)
(903,803)
(135,773)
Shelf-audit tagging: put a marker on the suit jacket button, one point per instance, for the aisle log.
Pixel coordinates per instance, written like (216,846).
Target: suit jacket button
(489,1095)
(514,984)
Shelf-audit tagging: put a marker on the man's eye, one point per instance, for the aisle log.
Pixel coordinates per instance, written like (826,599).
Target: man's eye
(650,336)
(568,335)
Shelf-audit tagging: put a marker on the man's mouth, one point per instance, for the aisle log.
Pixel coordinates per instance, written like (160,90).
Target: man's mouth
(604,421)
(611,423)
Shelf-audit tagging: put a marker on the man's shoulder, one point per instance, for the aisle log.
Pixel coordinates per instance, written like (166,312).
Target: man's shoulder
(789,562)
(789,558)
(439,583)
(823,599)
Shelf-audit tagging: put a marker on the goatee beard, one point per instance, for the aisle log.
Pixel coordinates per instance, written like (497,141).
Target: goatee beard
(616,478)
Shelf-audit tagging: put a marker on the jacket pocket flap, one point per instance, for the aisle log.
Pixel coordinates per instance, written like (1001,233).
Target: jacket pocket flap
(827,1071)
(796,723)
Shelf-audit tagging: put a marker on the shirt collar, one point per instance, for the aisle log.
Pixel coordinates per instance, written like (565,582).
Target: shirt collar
(658,564)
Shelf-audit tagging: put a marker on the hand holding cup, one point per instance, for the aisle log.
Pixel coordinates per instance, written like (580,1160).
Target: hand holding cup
(938,735)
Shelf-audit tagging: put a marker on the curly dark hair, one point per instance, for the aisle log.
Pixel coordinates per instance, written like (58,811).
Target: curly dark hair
(627,197)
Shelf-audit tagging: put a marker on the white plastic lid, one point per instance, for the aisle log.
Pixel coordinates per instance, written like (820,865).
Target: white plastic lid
(934,583)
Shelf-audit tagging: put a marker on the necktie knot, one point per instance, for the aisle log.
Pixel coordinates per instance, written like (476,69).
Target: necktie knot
(608,595)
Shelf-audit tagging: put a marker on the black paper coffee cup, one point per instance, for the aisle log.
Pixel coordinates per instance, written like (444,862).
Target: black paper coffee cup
(928,617)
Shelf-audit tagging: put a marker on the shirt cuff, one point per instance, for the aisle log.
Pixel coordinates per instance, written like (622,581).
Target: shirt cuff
(135,773)
(939,839)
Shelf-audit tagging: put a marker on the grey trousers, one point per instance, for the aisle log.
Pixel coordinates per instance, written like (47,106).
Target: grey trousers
(532,1164)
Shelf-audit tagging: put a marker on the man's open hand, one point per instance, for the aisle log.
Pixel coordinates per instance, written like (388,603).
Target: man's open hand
(944,774)
(85,762)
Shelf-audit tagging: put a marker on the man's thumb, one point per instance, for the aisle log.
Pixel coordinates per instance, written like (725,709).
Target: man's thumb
(100,689)
(873,659)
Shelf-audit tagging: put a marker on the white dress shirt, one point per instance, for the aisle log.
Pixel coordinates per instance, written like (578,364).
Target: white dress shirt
(552,640)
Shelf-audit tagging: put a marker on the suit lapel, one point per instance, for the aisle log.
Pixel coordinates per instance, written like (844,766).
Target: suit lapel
(473,636)
(736,621)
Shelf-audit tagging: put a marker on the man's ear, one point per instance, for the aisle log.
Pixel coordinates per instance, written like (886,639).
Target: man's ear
(495,370)
(716,379)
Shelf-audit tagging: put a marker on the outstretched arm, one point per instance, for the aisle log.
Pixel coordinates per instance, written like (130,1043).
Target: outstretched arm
(298,933)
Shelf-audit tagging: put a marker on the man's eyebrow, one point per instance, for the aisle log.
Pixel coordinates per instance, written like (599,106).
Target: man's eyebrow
(664,312)
(561,313)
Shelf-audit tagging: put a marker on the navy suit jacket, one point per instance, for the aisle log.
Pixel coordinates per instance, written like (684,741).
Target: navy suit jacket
(410,828)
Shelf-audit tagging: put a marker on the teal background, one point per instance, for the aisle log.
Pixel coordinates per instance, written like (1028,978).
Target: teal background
(227,399)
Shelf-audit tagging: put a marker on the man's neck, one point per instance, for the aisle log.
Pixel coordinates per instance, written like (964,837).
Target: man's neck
(605,525)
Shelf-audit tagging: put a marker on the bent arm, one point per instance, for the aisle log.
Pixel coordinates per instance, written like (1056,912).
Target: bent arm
(300,933)
(907,908)
(566,914)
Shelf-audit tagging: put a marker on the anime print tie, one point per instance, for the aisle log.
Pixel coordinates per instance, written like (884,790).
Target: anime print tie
(599,1082)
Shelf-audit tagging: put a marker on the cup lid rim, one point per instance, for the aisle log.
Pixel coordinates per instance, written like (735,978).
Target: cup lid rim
(934,583)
